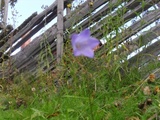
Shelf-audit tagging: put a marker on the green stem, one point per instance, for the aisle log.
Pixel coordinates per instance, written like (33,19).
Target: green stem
(91,109)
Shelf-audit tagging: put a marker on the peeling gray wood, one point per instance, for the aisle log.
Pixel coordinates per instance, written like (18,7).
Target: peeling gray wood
(142,40)
(35,21)
(5,13)
(10,33)
(127,16)
(83,11)
(60,31)
(5,31)
(105,10)
(133,29)
(145,55)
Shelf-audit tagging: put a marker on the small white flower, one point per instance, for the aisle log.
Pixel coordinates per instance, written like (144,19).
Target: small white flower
(33,89)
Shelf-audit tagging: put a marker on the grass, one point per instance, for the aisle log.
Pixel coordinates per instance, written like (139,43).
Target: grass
(80,88)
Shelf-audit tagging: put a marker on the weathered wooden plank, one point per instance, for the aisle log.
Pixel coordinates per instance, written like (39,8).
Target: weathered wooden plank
(5,32)
(60,30)
(35,21)
(30,52)
(106,9)
(142,40)
(126,17)
(82,12)
(30,62)
(10,34)
(133,29)
(139,25)
(36,59)
(24,23)
(145,55)
(5,16)
(34,30)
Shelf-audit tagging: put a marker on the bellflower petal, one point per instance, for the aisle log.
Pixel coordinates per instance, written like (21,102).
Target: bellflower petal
(88,52)
(74,39)
(77,53)
(84,52)
(85,33)
(74,36)
(93,42)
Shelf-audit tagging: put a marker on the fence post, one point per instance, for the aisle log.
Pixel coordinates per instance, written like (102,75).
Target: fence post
(60,8)
(5,13)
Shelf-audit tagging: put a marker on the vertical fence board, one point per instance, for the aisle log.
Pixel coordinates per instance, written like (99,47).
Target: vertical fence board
(60,6)
(5,13)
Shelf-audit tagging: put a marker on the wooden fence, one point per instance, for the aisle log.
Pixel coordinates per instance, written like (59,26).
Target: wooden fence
(88,14)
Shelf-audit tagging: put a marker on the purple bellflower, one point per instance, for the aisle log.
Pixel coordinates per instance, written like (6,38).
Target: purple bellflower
(83,44)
